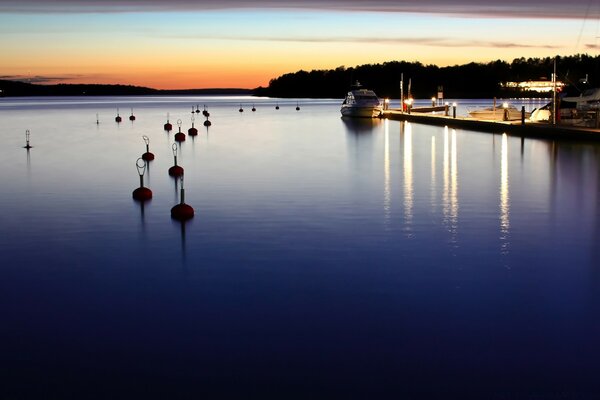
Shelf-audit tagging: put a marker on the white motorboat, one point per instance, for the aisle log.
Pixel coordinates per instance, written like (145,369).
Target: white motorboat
(361,102)
(588,100)
(504,113)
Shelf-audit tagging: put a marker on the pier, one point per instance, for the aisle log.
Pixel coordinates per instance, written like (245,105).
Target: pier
(516,128)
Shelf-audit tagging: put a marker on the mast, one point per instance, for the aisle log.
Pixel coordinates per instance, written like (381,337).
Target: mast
(402,91)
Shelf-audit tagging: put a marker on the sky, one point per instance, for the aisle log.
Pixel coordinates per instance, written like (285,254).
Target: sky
(178,44)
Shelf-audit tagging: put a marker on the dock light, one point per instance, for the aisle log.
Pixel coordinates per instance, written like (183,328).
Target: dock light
(453,110)
(386,104)
(433,102)
(504,105)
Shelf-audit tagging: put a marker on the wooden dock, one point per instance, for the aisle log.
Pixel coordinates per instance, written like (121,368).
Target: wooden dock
(515,128)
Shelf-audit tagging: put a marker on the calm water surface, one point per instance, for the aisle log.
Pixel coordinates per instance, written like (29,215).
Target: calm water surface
(328,258)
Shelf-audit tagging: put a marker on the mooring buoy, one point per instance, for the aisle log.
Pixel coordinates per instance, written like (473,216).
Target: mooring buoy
(182,211)
(168,127)
(132,117)
(193,131)
(179,136)
(118,117)
(175,170)
(147,156)
(142,193)
(27,145)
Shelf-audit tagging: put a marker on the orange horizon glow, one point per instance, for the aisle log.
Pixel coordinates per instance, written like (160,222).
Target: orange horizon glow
(246,49)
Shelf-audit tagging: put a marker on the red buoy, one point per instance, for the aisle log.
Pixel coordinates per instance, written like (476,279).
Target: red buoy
(205,112)
(192,131)
(241,109)
(142,193)
(147,156)
(179,136)
(132,117)
(175,170)
(207,123)
(168,127)
(182,211)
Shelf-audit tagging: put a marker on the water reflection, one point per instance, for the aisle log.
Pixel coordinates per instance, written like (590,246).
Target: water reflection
(360,126)
(433,175)
(408,175)
(504,196)
(450,195)
(386,175)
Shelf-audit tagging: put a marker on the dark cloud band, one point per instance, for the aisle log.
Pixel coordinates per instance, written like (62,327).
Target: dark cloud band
(504,9)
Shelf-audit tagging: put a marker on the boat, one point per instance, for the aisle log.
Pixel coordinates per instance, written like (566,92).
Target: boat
(587,101)
(505,113)
(361,102)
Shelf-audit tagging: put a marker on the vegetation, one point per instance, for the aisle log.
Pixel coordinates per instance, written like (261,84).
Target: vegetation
(473,80)
(14,88)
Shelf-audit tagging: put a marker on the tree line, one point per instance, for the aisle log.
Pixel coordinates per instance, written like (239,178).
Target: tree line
(472,80)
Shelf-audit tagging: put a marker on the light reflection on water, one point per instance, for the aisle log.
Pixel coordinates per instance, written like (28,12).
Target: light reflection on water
(334,254)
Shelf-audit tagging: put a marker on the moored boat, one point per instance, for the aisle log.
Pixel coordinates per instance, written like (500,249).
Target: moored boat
(361,102)
(504,113)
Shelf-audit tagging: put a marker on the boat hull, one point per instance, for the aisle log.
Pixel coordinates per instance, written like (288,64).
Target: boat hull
(361,112)
(498,114)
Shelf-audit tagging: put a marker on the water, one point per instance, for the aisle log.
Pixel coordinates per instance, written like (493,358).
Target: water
(328,258)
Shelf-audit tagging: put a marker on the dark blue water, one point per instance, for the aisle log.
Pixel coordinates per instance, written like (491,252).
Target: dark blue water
(328,258)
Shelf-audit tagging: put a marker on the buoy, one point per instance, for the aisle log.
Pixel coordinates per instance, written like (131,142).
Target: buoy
(207,122)
(253,108)
(132,117)
(241,109)
(205,112)
(118,117)
(197,109)
(182,211)
(297,107)
(168,127)
(147,156)
(277,106)
(175,170)
(192,131)
(97,119)
(142,193)
(193,111)
(179,136)
(27,145)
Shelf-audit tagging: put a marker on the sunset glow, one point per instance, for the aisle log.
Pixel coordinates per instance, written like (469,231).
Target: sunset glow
(229,44)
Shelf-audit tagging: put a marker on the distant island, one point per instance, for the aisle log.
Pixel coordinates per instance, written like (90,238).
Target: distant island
(16,88)
(472,80)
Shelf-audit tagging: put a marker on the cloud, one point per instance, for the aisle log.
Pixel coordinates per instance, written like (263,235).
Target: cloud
(479,8)
(423,41)
(39,79)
